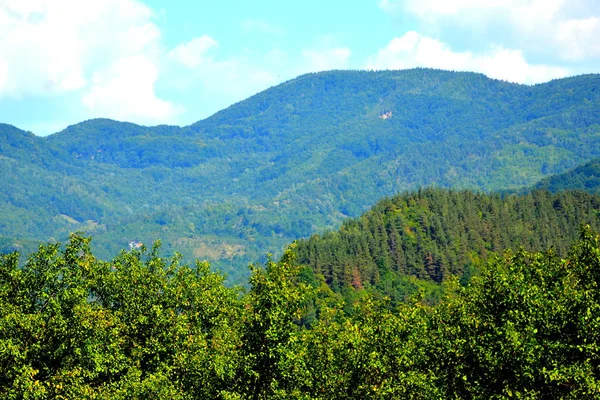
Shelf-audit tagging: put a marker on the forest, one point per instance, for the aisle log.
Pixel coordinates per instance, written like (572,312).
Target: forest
(432,234)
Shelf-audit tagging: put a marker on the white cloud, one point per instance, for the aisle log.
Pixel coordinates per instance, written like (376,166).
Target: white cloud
(415,50)
(235,77)
(41,53)
(567,29)
(193,53)
(254,25)
(110,55)
(3,74)
(322,60)
(50,47)
(125,90)
(580,38)
(531,10)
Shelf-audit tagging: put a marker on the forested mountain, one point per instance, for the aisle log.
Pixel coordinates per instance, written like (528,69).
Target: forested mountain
(290,161)
(433,233)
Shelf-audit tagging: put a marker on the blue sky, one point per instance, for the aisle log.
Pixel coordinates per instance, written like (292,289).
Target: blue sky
(175,62)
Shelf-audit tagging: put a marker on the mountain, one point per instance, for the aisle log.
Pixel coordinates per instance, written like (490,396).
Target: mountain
(290,161)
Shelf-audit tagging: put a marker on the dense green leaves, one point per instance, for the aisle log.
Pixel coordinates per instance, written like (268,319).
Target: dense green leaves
(527,327)
(72,326)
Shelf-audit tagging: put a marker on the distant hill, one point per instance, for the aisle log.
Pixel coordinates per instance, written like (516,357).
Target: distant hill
(434,233)
(585,177)
(291,161)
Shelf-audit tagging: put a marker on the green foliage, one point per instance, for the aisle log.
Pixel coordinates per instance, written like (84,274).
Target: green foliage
(351,315)
(72,326)
(276,303)
(527,327)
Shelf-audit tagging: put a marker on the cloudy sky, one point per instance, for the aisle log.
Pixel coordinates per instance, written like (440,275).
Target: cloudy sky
(175,62)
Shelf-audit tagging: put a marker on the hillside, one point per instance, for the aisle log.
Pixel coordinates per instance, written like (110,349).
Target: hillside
(584,177)
(433,233)
(290,161)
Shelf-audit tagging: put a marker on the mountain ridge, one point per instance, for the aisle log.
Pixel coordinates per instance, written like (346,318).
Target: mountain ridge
(295,159)
(308,75)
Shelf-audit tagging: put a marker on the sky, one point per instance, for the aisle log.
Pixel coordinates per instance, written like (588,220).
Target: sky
(176,62)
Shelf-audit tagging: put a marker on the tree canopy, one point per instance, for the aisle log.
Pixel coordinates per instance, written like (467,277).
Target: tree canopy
(140,326)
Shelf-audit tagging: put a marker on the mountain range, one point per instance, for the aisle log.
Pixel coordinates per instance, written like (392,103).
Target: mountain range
(293,160)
